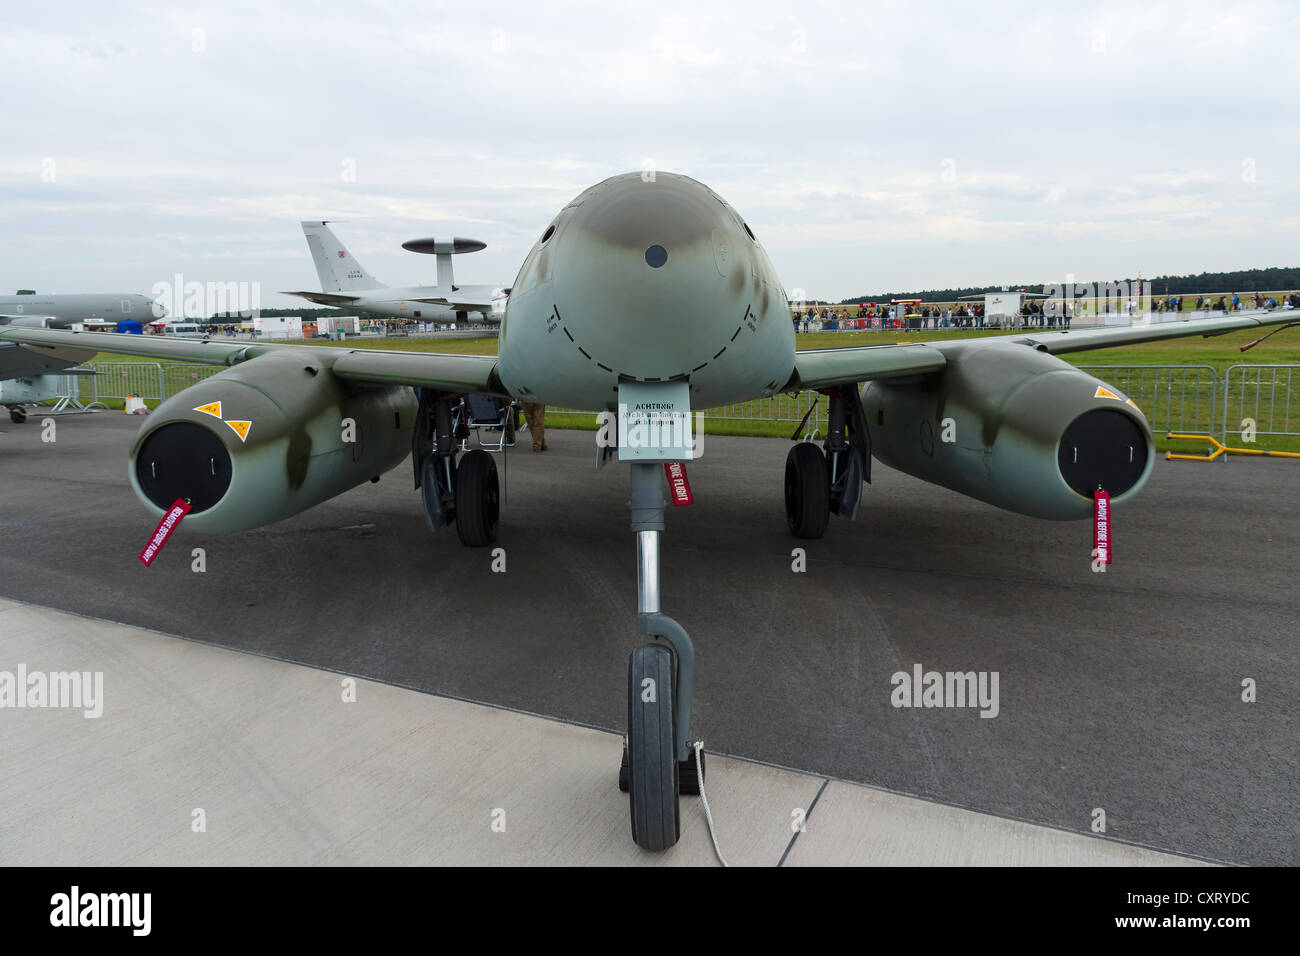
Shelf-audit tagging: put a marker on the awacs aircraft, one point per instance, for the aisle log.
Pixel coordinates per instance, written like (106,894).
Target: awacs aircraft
(25,377)
(650,296)
(345,283)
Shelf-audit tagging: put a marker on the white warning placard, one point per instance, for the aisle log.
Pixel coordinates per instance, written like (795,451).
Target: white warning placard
(654,421)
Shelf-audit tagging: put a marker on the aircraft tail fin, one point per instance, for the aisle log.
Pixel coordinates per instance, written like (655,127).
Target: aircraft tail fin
(338,270)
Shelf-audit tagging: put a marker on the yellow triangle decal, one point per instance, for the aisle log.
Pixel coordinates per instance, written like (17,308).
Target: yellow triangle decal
(1104,392)
(212,408)
(241,429)
(1134,404)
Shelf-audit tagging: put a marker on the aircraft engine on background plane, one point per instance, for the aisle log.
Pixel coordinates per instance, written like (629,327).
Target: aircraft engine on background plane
(266,439)
(1016,428)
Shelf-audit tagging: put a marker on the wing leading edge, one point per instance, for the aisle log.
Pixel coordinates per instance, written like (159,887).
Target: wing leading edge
(1059,343)
(452,373)
(822,368)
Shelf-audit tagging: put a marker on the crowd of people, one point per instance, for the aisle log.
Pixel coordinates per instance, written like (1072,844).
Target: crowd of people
(884,317)
(1034,313)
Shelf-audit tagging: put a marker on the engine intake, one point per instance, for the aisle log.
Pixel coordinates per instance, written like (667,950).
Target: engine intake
(267,439)
(1013,427)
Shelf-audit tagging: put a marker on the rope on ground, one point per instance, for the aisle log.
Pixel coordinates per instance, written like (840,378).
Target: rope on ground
(708,815)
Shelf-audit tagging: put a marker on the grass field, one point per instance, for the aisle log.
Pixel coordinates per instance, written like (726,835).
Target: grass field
(1153,395)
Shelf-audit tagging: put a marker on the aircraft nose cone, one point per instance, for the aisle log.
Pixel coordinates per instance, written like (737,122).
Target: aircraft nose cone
(638,277)
(653,279)
(635,213)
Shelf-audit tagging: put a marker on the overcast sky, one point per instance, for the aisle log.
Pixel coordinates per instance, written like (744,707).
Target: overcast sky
(871,147)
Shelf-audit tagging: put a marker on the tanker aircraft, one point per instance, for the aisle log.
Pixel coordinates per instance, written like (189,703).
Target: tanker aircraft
(28,377)
(652,299)
(345,283)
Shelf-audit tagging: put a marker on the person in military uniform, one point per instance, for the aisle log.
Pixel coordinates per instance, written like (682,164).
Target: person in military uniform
(535,416)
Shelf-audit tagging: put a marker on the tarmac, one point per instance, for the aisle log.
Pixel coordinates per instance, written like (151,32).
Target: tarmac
(1120,694)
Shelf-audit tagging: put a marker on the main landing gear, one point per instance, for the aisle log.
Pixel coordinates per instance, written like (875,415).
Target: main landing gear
(821,483)
(658,759)
(467,493)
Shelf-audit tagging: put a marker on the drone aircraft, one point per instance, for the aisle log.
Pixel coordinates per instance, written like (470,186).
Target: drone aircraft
(644,298)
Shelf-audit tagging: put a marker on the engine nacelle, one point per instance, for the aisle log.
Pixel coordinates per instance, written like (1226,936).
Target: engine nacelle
(1013,427)
(267,439)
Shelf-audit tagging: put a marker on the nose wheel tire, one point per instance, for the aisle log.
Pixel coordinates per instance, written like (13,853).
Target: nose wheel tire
(17,415)
(478,499)
(807,491)
(652,770)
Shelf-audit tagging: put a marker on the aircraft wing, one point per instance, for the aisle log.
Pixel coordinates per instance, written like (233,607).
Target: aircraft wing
(458,302)
(1058,343)
(16,362)
(198,351)
(325,298)
(452,373)
(31,321)
(822,368)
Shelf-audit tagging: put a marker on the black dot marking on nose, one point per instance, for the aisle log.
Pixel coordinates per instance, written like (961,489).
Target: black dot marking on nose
(656,256)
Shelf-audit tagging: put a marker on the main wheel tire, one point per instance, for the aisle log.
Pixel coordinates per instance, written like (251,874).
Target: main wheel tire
(807,491)
(17,415)
(652,748)
(478,499)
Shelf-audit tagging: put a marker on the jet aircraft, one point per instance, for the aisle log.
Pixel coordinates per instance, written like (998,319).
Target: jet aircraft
(26,377)
(643,297)
(346,284)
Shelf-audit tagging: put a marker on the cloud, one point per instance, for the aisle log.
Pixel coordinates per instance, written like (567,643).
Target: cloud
(896,145)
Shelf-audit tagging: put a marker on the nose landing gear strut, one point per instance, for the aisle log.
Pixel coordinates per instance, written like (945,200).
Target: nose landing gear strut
(657,753)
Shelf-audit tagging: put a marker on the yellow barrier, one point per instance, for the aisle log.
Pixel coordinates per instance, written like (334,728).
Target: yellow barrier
(1221,449)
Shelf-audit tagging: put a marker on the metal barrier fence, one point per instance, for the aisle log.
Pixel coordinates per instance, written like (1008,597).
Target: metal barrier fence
(779,408)
(153,381)
(1262,394)
(1178,398)
(177,378)
(120,379)
(1193,398)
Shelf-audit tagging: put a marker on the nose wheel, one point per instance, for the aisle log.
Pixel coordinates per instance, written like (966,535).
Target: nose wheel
(652,778)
